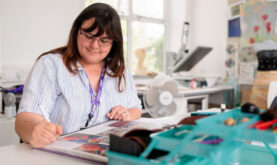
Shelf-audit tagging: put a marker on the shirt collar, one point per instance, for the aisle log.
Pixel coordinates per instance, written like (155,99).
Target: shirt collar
(108,70)
(80,68)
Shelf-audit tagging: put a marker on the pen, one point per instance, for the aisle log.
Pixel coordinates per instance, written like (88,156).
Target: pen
(46,116)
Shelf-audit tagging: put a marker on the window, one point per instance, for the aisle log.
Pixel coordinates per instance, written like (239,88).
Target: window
(143,26)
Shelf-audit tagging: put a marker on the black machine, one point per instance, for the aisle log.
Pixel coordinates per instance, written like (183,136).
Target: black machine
(187,62)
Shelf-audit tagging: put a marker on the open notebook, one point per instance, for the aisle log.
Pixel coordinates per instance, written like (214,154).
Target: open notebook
(91,143)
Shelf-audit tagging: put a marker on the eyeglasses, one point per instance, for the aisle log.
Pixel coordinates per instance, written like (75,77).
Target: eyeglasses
(102,42)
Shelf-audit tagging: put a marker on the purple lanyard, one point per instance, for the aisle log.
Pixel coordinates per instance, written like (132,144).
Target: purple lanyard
(95,100)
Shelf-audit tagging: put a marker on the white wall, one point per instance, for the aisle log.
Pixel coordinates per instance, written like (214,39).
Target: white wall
(176,15)
(31,27)
(208,27)
(0,46)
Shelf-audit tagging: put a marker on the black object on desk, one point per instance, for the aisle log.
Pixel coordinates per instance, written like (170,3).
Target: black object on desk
(186,63)
(123,145)
(134,143)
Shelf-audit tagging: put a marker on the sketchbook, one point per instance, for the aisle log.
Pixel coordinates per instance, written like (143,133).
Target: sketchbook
(91,143)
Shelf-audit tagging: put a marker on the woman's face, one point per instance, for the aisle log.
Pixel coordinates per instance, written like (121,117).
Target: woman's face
(93,50)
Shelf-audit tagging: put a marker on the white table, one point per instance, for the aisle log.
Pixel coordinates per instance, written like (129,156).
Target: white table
(205,90)
(23,154)
(205,93)
(186,94)
(8,135)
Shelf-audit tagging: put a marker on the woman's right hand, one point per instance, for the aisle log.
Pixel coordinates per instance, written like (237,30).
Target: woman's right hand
(44,133)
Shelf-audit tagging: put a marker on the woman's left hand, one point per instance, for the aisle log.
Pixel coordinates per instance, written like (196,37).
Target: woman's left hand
(119,113)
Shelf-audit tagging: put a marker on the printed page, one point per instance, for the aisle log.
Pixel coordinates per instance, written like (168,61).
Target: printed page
(91,143)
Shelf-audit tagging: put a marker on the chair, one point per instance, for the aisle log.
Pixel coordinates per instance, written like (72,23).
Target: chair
(272,93)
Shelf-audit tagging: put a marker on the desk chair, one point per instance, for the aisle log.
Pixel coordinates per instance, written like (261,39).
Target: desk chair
(272,93)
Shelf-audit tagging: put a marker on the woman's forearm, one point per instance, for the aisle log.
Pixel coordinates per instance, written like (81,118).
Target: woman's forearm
(25,123)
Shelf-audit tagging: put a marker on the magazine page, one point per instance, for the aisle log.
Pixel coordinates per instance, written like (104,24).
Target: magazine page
(91,143)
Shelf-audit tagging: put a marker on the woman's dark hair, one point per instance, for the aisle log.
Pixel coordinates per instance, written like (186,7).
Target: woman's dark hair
(107,21)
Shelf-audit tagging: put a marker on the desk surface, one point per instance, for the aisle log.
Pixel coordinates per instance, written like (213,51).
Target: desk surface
(206,90)
(23,154)
(7,133)
(192,92)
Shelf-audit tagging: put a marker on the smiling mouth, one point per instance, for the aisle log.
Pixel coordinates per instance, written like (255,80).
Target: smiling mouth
(92,52)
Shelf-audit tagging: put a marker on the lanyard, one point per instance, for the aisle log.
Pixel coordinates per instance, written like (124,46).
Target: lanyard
(95,100)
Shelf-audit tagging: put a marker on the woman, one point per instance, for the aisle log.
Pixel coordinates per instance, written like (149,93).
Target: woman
(81,84)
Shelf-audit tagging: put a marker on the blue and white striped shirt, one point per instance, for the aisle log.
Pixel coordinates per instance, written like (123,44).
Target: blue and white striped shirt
(66,97)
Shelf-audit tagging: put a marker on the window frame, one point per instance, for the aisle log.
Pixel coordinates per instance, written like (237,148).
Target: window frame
(131,17)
